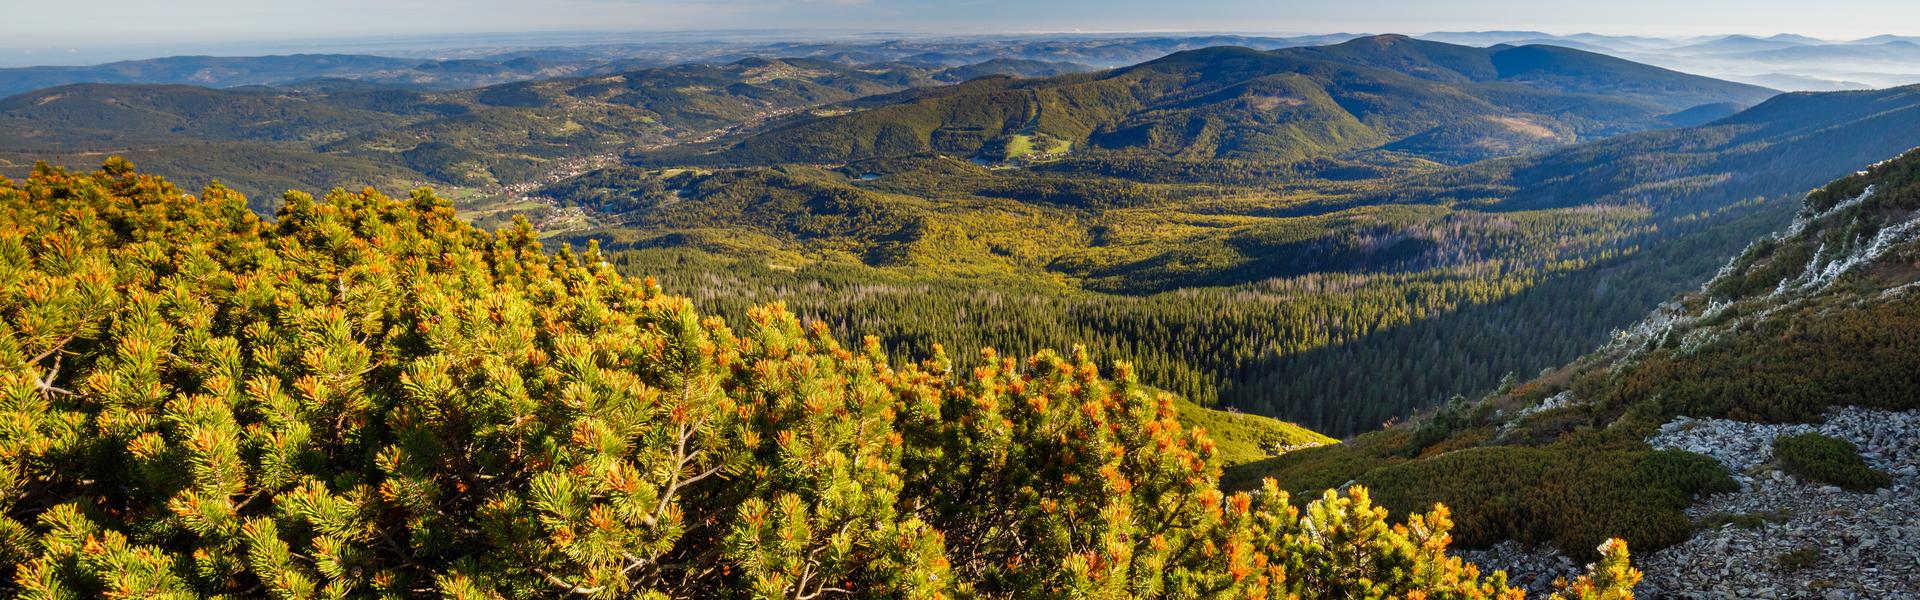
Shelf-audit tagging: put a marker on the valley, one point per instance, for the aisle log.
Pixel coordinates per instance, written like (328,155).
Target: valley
(967,317)
(1282,273)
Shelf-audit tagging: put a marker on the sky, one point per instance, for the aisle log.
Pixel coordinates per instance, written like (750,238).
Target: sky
(52,27)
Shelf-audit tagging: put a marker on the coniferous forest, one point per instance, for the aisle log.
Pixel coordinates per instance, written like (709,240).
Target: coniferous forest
(771,314)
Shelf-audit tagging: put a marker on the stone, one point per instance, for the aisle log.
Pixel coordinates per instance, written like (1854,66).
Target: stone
(1870,542)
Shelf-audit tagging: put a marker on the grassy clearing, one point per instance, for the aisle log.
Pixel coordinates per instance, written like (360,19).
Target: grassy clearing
(1243,438)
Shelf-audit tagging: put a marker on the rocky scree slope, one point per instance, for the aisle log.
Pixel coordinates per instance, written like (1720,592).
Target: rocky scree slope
(1810,330)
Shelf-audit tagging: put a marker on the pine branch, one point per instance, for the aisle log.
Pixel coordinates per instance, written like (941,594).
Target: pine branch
(55,349)
(681,458)
(570,588)
(46,383)
(817,593)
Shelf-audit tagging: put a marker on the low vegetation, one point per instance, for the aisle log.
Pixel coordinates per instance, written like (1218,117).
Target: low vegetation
(1741,520)
(1824,459)
(367,396)
(1573,493)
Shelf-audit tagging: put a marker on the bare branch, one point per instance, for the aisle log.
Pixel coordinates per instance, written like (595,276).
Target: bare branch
(570,588)
(823,590)
(55,349)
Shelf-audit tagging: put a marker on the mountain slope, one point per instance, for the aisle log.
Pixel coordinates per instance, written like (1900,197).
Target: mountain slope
(1813,318)
(1819,315)
(498,134)
(1284,105)
(1791,142)
(135,113)
(1539,66)
(1012,67)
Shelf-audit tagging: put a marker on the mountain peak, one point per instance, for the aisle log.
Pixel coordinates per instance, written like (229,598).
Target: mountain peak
(1385,40)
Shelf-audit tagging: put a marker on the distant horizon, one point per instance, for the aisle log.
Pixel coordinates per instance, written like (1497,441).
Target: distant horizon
(428,45)
(94,28)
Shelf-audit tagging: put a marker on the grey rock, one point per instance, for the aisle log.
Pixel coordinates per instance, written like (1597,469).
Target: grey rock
(1869,543)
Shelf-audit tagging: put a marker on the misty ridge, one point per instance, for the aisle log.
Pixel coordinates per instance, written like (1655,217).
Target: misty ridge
(1785,62)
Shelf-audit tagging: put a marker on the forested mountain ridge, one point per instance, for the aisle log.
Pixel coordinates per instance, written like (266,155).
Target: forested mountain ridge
(265,139)
(1791,142)
(496,134)
(1010,67)
(1809,320)
(1269,290)
(370,396)
(1541,66)
(1819,315)
(477,67)
(1439,101)
(224,72)
(300,70)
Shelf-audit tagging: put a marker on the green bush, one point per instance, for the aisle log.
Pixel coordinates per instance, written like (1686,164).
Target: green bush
(367,397)
(1572,494)
(1825,459)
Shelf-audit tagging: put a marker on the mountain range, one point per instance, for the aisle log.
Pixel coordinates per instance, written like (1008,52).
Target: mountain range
(454,67)
(1784,61)
(485,136)
(1463,270)
(1436,101)
(1211,173)
(1449,103)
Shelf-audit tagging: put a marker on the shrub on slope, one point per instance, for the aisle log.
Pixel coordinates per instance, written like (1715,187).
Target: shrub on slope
(367,396)
(1826,459)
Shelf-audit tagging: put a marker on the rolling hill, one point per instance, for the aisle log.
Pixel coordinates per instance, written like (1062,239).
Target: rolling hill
(1543,67)
(1462,103)
(366,131)
(105,113)
(479,137)
(1791,142)
(1010,67)
(1743,43)
(224,72)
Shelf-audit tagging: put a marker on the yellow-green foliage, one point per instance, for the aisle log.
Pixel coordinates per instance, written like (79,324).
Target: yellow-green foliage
(1241,438)
(1326,467)
(368,397)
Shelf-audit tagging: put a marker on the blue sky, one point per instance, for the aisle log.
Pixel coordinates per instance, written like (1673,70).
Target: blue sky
(103,22)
